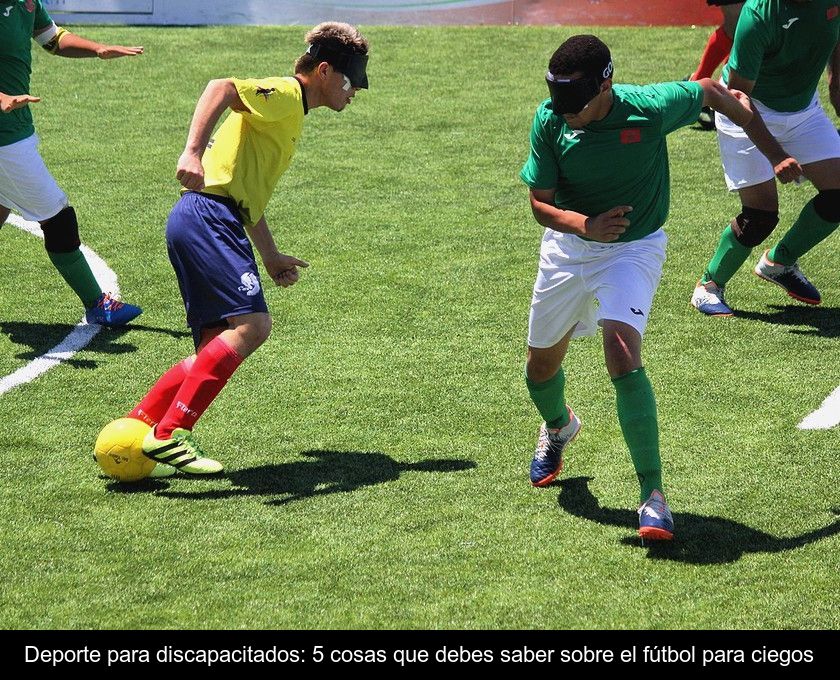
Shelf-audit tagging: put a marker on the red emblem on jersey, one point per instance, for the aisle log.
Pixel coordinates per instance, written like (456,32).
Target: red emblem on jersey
(631,136)
(30,5)
(832,12)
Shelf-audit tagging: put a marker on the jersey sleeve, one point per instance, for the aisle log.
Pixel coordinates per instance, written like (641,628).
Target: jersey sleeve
(42,17)
(752,39)
(269,99)
(540,170)
(679,103)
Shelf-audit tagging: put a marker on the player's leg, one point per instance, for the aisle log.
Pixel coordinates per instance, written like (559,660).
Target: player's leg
(218,357)
(720,42)
(212,258)
(758,217)
(27,185)
(4,214)
(560,308)
(818,219)
(61,240)
(546,381)
(811,138)
(748,172)
(154,405)
(626,287)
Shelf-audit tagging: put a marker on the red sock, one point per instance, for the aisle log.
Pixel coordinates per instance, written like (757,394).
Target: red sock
(209,374)
(717,50)
(154,405)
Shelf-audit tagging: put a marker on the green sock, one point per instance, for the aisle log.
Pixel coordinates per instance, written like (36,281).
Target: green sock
(550,400)
(728,258)
(637,416)
(74,268)
(808,230)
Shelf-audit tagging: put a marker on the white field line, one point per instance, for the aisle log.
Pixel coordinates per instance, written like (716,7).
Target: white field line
(81,334)
(826,416)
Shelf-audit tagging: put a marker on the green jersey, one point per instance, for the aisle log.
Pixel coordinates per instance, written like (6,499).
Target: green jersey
(784,47)
(619,160)
(19,19)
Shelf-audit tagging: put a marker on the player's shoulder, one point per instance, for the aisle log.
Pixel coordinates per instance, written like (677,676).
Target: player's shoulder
(271,85)
(544,116)
(654,95)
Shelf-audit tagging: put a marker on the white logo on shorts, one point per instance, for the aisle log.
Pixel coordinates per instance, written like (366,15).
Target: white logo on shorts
(250,283)
(790,23)
(571,136)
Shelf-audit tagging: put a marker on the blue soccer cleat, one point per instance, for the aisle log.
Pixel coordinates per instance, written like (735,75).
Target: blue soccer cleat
(109,311)
(708,300)
(548,457)
(655,520)
(789,277)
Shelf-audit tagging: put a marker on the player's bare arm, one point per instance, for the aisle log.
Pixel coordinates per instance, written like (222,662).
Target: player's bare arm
(606,227)
(218,96)
(282,268)
(10,102)
(734,104)
(786,168)
(67,44)
(834,79)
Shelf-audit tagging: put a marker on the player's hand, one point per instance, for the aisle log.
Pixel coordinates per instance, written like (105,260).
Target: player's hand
(744,100)
(190,171)
(608,226)
(283,269)
(116,51)
(787,170)
(10,102)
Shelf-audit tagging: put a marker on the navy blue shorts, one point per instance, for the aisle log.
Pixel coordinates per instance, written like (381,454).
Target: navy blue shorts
(213,260)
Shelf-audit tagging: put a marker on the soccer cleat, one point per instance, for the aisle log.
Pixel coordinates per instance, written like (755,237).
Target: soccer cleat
(180,452)
(109,311)
(706,119)
(160,470)
(789,277)
(655,520)
(708,299)
(548,458)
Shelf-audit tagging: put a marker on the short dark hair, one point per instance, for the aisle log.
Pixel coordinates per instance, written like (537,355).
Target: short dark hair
(335,35)
(584,53)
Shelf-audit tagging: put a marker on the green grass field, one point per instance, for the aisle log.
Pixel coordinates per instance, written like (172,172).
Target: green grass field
(378,444)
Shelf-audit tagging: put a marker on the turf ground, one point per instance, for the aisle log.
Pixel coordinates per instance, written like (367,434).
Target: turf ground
(378,444)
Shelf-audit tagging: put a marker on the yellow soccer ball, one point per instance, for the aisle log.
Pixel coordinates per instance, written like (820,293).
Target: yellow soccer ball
(118,450)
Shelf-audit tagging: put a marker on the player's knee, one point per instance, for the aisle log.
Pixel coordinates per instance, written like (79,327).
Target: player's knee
(539,368)
(827,205)
(753,226)
(620,357)
(61,232)
(259,329)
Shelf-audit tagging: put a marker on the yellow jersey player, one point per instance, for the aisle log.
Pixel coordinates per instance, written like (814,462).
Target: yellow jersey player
(227,182)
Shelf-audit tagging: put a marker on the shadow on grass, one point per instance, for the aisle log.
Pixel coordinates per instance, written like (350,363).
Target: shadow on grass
(42,337)
(324,473)
(824,321)
(699,539)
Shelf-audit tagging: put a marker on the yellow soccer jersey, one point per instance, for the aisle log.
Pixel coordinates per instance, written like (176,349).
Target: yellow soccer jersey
(251,149)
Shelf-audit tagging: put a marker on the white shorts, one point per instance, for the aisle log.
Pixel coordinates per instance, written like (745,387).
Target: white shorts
(26,185)
(582,283)
(807,135)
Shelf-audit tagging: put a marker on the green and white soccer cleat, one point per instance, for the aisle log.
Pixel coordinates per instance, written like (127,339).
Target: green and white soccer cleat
(161,471)
(181,452)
